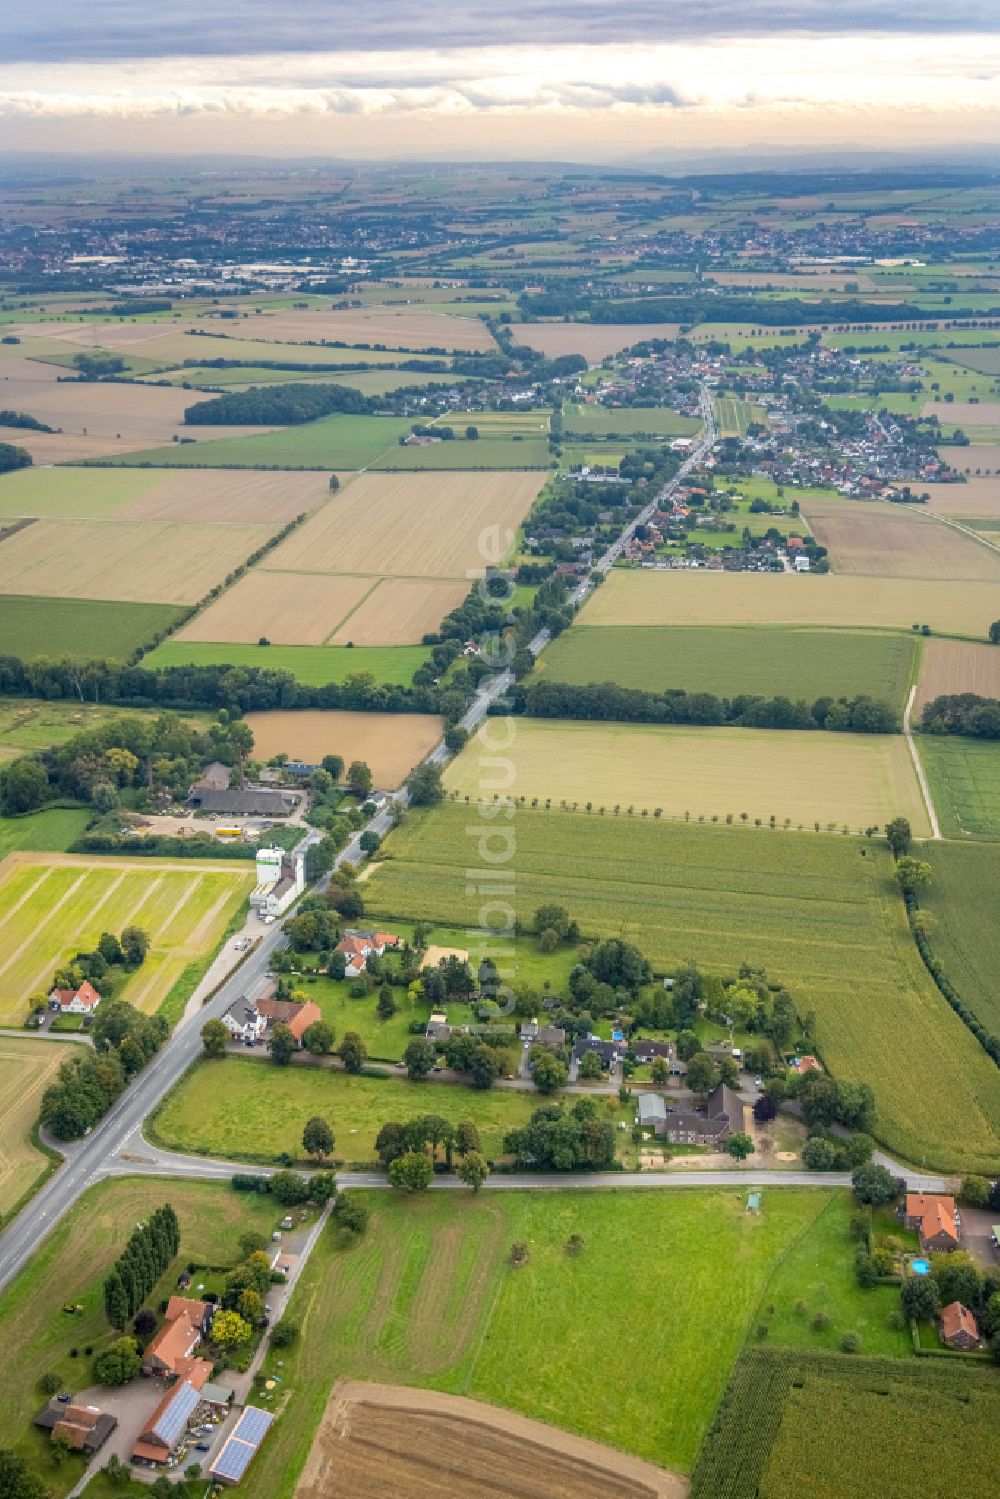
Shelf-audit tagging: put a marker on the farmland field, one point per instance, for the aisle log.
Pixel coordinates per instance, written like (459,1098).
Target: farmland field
(246,1109)
(427,1298)
(492,451)
(312,665)
(371,382)
(67,447)
(788,1418)
(733,416)
(144,413)
(164,495)
(594,341)
(975,498)
(29,723)
(50,831)
(402,329)
(400,611)
(627,421)
(127,561)
(165,348)
(729,660)
(632,596)
(888,541)
(819,918)
(26,1069)
(331,443)
(70,1265)
(961,901)
(390,743)
(978,458)
(286,608)
(957,666)
(987,361)
(797,775)
(964,776)
(966,413)
(80,629)
(410,525)
(55,905)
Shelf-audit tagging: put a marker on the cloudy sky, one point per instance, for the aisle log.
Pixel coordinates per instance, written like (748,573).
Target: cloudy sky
(587,79)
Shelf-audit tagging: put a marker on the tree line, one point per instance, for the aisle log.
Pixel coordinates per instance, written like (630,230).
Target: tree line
(795,312)
(962,713)
(89,1082)
(607,701)
(288,405)
(134,1274)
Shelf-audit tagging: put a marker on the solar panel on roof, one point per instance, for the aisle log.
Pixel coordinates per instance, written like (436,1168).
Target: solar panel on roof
(234,1459)
(252,1424)
(173,1420)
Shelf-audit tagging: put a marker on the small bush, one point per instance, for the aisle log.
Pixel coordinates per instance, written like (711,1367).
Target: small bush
(821,1322)
(850,1343)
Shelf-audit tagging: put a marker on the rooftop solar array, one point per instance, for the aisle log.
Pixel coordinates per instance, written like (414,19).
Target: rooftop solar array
(234,1459)
(173,1420)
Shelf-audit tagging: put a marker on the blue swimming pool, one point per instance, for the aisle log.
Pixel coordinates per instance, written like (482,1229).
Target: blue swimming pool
(920,1267)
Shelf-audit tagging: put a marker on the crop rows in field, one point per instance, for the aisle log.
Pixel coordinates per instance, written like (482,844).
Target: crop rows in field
(821,918)
(79,629)
(964,777)
(964,934)
(786,1418)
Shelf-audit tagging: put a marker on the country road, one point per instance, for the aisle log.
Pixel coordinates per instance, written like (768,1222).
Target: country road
(97,1155)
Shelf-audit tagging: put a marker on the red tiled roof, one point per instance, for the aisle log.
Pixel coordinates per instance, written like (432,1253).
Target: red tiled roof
(936,1214)
(957,1318)
(180,1332)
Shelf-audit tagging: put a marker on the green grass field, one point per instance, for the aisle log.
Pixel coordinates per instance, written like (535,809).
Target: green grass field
(627,421)
(56,906)
(792,1424)
(51,831)
(69,1267)
(428,1299)
(802,777)
(70,493)
(314,665)
(964,935)
(727,661)
(30,723)
(822,919)
(964,777)
(333,442)
(373,382)
(81,629)
(244,1108)
(514,452)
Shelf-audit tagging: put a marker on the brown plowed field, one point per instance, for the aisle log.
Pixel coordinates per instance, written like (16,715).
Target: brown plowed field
(67,447)
(397,330)
(958,666)
(891,541)
(289,608)
(593,340)
(130,561)
(389,743)
(418,1444)
(218,495)
(414,524)
(984,456)
(401,611)
(965,413)
(974,497)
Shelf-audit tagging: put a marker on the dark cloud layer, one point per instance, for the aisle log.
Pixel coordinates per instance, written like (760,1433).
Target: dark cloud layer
(93,30)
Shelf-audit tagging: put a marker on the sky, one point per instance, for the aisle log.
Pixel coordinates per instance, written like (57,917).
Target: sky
(600,80)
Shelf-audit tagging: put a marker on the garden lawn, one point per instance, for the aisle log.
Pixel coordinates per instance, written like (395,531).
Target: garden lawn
(427,1298)
(820,918)
(82,629)
(241,1108)
(961,901)
(727,661)
(964,777)
(51,831)
(69,1267)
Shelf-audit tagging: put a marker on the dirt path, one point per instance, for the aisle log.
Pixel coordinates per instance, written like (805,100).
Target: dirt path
(925,790)
(417,1444)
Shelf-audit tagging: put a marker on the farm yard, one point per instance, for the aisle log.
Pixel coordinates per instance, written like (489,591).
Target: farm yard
(822,920)
(795,776)
(787,1417)
(428,1297)
(964,778)
(409,525)
(27,1067)
(144,562)
(79,629)
(799,663)
(887,541)
(55,905)
(592,341)
(389,743)
(633,596)
(949,666)
(314,666)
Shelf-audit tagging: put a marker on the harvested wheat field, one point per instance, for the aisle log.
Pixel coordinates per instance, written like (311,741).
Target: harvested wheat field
(964,413)
(803,776)
(958,666)
(594,341)
(68,447)
(975,497)
(26,1069)
(891,541)
(419,1444)
(15,367)
(412,525)
(286,608)
(978,459)
(127,561)
(137,414)
(401,611)
(389,743)
(93,335)
(221,495)
(397,330)
(634,597)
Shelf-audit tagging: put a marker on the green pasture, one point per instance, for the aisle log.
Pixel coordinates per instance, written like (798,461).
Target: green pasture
(313,665)
(627,421)
(50,831)
(333,442)
(80,629)
(961,906)
(72,493)
(964,777)
(728,660)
